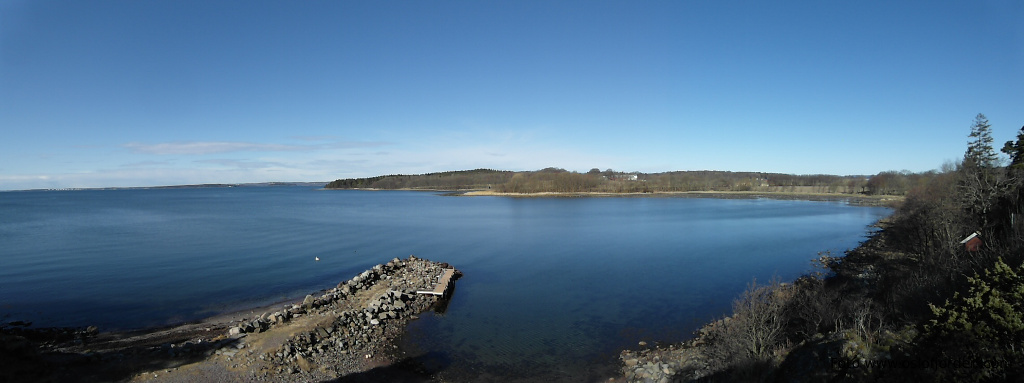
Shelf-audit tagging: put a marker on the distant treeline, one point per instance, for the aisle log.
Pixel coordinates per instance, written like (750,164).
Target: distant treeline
(454,180)
(611,181)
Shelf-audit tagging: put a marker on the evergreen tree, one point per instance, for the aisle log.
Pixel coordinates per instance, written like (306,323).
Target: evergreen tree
(1016,150)
(981,183)
(979,151)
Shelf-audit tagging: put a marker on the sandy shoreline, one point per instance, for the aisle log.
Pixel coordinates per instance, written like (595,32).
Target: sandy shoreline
(855,199)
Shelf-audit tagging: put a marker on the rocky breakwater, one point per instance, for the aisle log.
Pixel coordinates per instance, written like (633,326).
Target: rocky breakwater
(347,329)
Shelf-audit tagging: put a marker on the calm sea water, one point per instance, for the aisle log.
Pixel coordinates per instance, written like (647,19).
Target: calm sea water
(553,287)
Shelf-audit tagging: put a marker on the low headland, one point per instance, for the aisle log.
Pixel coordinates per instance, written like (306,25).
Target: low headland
(346,331)
(883,189)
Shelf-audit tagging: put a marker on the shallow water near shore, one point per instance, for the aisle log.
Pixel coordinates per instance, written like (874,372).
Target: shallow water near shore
(553,287)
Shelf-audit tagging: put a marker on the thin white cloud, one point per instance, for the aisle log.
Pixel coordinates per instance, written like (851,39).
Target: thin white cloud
(191,163)
(352,145)
(218,147)
(207,147)
(141,164)
(315,138)
(241,164)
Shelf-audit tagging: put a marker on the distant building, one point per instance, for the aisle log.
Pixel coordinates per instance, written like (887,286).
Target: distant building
(624,177)
(972,243)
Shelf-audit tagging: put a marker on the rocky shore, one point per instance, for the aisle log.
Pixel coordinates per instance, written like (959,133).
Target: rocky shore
(683,362)
(344,332)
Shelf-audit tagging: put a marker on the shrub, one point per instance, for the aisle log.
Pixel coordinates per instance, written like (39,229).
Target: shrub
(982,329)
(747,342)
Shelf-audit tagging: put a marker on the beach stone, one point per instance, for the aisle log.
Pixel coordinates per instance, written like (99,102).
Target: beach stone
(235,331)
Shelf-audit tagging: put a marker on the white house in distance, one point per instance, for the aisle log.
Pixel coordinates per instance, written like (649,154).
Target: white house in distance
(623,177)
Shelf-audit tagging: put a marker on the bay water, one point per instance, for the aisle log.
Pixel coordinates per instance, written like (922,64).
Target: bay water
(553,287)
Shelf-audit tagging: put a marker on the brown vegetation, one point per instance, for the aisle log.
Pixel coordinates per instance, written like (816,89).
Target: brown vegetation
(910,304)
(556,180)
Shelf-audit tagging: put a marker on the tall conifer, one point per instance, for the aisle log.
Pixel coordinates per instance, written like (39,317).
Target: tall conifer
(979,151)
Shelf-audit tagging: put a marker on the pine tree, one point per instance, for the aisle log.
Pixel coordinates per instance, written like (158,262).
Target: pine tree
(1015,149)
(979,151)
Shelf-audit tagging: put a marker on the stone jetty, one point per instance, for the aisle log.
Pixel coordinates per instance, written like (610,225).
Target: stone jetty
(348,329)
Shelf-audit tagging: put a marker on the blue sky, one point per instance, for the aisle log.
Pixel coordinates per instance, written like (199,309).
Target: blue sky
(139,93)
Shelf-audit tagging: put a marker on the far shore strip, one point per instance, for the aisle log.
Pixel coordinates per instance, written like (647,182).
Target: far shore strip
(751,194)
